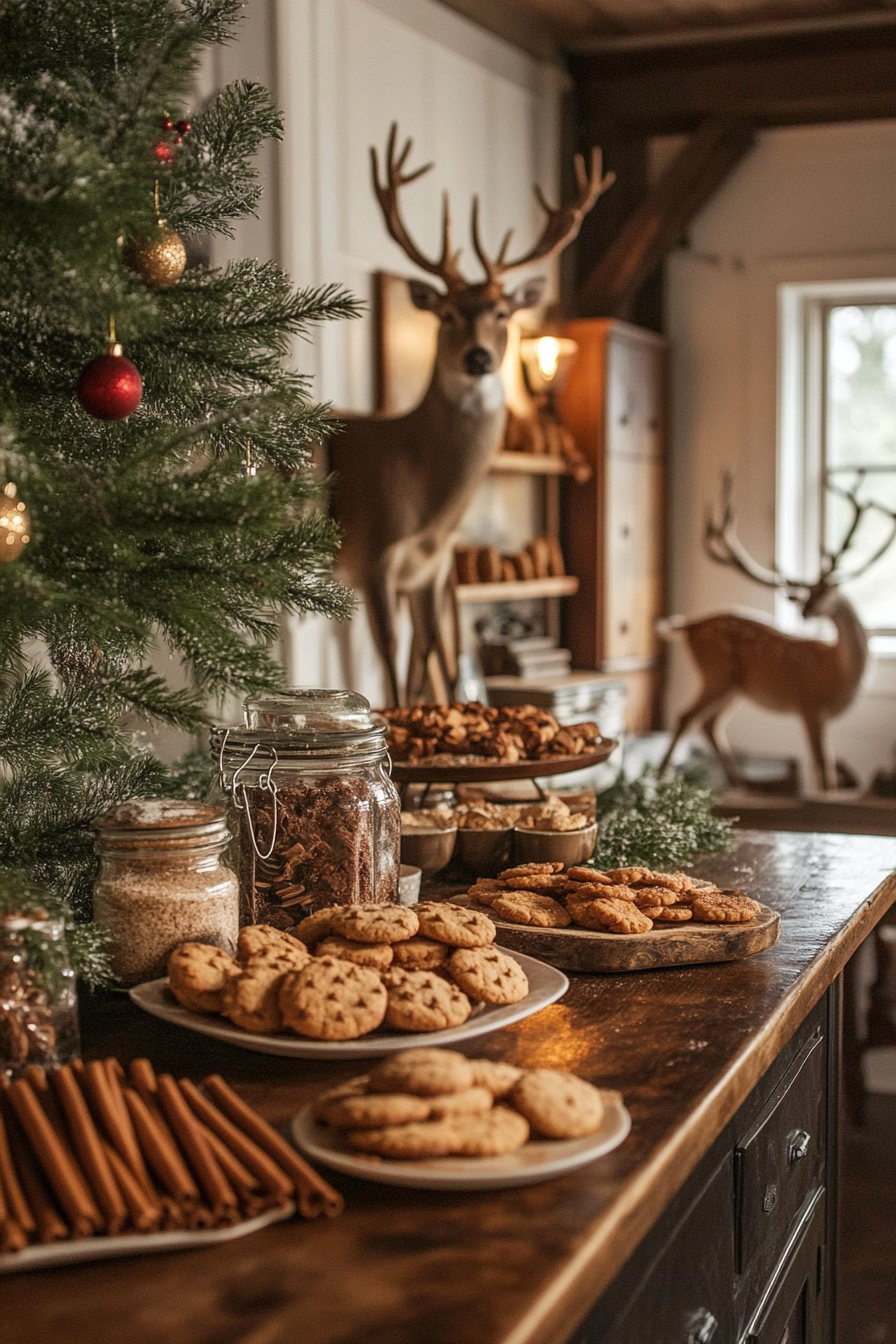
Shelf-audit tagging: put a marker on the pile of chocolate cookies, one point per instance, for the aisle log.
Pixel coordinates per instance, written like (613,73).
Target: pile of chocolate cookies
(349,969)
(621,900)
(428,1103)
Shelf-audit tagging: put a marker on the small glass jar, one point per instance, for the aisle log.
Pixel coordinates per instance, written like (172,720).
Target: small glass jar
(162,883)
(38,1004)
(315,815)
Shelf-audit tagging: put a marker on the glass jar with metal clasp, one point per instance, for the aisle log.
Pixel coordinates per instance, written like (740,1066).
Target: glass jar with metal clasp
(315,816)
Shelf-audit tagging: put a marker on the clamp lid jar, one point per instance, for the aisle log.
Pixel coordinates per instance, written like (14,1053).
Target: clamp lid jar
(315,815)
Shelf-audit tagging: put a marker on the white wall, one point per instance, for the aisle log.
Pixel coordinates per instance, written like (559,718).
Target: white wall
(485,113)
(809,203)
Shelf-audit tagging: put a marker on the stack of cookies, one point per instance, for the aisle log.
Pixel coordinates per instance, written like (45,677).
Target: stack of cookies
(349,969)
(621,900)
(436,1103)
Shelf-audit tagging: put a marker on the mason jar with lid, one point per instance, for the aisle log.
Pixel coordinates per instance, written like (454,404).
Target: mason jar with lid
(315,816)
(162,883)
(38,1004)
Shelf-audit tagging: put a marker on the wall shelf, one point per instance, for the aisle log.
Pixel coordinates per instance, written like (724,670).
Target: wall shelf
(528,464)
(517,589)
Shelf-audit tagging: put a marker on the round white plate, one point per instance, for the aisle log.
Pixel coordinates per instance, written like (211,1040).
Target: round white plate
(546,985)
(113,1248)
(538,1160)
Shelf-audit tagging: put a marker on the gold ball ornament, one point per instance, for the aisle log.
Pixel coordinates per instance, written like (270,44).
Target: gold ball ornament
(159,259)
(15,525)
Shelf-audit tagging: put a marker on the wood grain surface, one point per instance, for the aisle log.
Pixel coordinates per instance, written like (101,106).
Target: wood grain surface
(587,951)
(685,1046)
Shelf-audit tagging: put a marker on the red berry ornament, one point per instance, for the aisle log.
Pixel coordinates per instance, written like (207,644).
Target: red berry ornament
(110,386)
(163,152)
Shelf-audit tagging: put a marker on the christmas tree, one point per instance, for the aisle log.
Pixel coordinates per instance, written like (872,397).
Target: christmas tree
(148,530)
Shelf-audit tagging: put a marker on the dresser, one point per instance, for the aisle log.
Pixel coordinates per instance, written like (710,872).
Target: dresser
(614,402)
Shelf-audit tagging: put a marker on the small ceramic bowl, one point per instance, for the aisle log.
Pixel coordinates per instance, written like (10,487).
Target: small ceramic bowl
(408,884)
(429,849)
(484,852)
(567,847)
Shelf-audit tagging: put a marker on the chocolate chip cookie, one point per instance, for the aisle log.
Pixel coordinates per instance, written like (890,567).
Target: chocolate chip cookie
(558,1105)
(487,975)
(333,1000)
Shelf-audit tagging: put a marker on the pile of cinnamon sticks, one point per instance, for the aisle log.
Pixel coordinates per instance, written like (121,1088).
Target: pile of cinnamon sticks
(92,1150)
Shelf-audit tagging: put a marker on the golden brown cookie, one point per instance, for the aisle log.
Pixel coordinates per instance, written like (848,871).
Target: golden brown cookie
(377,955)
(372,1110)
(429,1138)
(472,1101)
(531,870)
(261,940)
(423,1001)
(487,975)
(651,911)
(314,927)
(672,914)
(332,1000)
(594,892)
(647,896)
(251,999)
(426,1071)
(500,1130)
(558,1105)
(355,1087)
(611,916)
(419,954)
(527,907)
(539,882)
(452,924)
(625,876)
(500,1079)
(375,923)
(724,907)
(197,974)
(582,873)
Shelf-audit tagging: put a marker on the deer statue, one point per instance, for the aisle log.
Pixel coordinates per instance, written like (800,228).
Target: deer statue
(404,482)
(740,656)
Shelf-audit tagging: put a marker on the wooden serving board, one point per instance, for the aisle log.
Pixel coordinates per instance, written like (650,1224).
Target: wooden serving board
(487,770)
(576,949)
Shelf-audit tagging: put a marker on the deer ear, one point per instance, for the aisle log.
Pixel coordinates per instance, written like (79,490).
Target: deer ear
(425,296)
(529,293)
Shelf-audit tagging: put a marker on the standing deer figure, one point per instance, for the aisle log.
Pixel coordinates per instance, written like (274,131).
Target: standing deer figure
(740,656)
(404,482)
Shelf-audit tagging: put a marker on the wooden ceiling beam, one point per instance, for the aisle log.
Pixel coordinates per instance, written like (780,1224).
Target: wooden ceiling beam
(662,219)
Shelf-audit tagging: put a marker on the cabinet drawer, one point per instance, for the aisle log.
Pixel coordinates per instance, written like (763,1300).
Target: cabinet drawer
(790,1310)
(687,1295)
(779,1162)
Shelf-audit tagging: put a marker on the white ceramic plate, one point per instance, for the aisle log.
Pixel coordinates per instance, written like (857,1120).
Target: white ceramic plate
(546,985)
(113,1248)
(538,1160)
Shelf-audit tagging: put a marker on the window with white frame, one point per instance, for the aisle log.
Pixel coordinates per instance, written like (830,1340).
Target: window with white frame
(837,434)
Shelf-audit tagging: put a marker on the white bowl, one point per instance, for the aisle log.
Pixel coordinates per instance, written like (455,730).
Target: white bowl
(408,884)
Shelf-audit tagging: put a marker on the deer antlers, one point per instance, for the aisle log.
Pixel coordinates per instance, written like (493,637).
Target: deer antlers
(723,544)
(561,227)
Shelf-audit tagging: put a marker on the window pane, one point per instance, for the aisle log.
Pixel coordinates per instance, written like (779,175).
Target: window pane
(860,413)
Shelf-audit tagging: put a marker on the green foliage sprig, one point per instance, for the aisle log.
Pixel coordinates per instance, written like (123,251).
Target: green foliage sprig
(658,822)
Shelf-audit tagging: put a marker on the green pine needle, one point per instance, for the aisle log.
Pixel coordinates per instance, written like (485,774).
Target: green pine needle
(658,822)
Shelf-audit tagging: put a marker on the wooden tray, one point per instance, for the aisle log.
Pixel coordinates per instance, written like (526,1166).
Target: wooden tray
(487,770)
(675,945)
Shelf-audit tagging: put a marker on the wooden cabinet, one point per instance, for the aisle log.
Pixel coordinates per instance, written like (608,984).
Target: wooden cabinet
(745,1252)
(614,535)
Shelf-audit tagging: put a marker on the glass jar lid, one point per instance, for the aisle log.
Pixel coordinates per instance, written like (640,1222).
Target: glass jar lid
(165,822)
(302,722)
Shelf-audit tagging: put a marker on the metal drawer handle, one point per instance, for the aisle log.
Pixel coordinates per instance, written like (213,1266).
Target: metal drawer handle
(798,1145)
(701,1326)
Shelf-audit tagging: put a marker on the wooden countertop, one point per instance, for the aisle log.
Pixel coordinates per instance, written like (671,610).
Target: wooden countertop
(685,1047)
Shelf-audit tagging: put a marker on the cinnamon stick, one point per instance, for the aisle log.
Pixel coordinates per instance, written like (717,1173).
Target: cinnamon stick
(314,1195)
(49,1226)
(145,1212)
(67,1181)
(12,1238)
(111,1110)
(160,1152)
(13,1195)
(272,1178)
(88,1146)
(217,1189)
(239,1176)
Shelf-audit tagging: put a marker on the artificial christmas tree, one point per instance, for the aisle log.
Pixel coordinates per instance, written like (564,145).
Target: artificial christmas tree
(146,531)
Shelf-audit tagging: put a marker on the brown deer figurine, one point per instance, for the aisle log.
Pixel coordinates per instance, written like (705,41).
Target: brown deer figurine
(404,482)
(740,656)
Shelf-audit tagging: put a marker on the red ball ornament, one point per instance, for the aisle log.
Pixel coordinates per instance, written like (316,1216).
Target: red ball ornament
(110,386)
(163,152)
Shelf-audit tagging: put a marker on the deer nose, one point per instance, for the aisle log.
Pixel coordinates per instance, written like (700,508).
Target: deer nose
(478,361)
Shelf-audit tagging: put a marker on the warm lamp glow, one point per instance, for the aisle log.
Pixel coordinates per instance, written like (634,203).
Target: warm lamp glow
(546,360)
(547,352)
